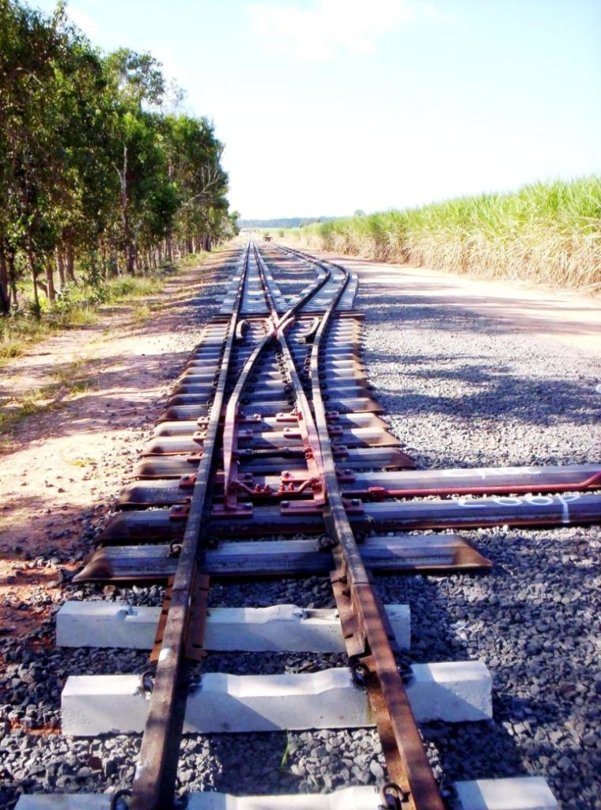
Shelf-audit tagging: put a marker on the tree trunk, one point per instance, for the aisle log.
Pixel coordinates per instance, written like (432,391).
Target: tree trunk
(128,237)
(70,266)
(37,310)
(60,267)
(50,288)
(130,265)
(12,278)
(4,287)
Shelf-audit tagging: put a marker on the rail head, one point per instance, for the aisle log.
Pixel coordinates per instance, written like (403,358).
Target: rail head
(154,779)
(401,740)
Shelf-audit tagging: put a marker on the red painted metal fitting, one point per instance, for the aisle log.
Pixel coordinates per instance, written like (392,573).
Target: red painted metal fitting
(353,506)
(378,493)
(179,512)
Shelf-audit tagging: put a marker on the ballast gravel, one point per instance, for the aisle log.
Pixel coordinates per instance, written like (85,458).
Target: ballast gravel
(463,389)
(460,390)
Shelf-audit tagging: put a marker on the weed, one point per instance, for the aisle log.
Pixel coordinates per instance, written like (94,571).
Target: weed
(78,316)
(76,306)
(288,750)
(81,461)
(126,287)
(17,410)
(66,382)
(141,312)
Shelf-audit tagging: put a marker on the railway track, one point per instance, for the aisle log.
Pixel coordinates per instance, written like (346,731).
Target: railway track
(272,459)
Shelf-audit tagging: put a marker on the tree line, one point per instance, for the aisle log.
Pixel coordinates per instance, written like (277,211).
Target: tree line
(97,178)
(282,222)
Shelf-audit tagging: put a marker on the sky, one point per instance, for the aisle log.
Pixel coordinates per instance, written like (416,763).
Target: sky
(326,107)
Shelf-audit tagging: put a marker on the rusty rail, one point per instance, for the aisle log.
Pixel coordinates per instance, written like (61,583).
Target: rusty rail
(366,630)
(154,779)
(316,492)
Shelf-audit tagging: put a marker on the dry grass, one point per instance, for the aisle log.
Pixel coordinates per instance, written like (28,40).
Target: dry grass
(66,384)
(547,233)
(78,306)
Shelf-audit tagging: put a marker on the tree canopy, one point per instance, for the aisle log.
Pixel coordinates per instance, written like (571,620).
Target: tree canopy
(95,178)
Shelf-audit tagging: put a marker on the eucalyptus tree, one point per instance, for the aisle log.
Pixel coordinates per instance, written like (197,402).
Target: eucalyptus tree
(87,129)
(30,45)
(92,173)
(52,132)
(194,155)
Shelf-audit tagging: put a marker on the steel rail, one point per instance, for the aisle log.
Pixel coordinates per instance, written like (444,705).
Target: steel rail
(366,632)
(230,426)
(154,779)
(278,323)
(282,321)
(308,429)
(378,493)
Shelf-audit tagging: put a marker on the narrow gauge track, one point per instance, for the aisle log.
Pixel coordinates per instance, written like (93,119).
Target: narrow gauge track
(272,430)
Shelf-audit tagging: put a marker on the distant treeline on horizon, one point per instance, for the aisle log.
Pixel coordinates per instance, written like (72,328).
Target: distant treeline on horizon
(290,222)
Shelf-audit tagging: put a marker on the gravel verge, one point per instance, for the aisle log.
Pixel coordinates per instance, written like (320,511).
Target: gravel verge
(464,390)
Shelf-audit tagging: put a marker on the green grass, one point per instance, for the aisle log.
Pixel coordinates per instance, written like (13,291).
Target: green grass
(125,288)
(546,233)
(67,383)
(78,306)
(141,312)
(19,331)
(286,754)
(33,404)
